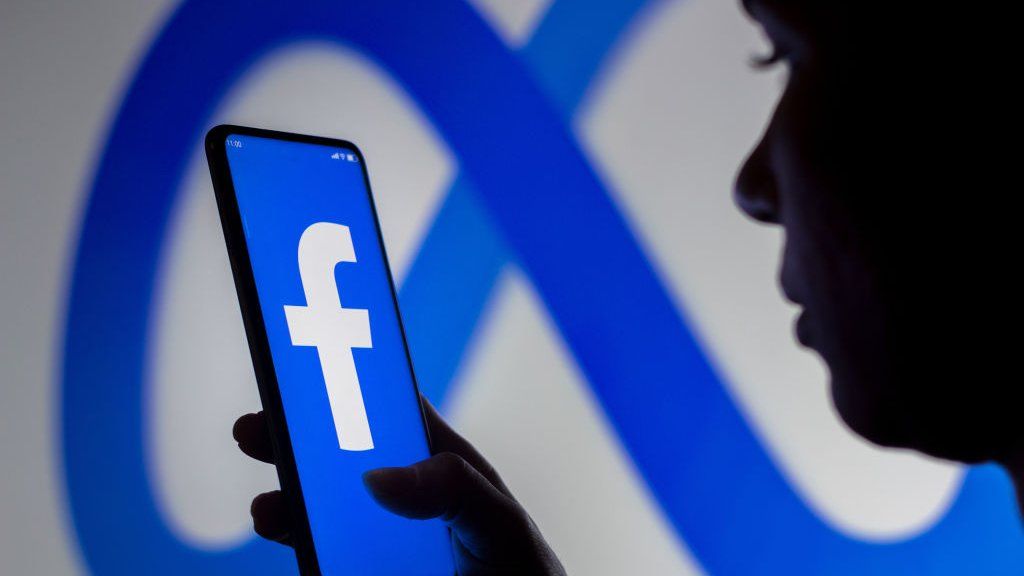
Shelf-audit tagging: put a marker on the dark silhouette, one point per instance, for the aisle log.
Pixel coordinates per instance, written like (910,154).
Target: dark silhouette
(880,164)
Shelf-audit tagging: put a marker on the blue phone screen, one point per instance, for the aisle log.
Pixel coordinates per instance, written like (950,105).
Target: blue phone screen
(337,349)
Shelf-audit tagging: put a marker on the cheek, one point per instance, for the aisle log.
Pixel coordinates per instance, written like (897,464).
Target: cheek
(818,162)
(824,252)
(804,211)
(843,320)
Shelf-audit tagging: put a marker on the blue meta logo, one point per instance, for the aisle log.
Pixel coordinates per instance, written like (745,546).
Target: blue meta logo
(737,515)
(333,330)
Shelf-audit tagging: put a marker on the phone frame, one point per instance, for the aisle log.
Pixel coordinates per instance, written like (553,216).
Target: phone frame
(255,329)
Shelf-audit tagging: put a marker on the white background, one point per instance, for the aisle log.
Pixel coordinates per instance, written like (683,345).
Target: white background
(666,126)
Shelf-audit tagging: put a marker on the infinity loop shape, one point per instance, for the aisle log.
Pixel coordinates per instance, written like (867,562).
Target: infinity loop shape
(700,459)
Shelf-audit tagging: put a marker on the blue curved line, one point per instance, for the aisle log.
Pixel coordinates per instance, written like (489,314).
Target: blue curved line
(718,487)
(109,492)
(458,263)
(447,288)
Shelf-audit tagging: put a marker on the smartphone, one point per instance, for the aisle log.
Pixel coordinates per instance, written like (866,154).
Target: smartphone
(328,346)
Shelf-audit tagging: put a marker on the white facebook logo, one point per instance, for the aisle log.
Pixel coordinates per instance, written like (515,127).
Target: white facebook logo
(333,330)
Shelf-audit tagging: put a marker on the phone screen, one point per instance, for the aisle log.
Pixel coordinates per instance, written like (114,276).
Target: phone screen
(338,351)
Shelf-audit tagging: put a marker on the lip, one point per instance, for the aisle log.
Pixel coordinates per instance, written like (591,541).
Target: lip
(788,291)
(803,330)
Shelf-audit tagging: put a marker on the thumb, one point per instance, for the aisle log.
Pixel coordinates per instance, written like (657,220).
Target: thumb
(486,521)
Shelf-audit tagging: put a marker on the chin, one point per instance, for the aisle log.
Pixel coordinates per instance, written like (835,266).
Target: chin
(928,423)
(868,416)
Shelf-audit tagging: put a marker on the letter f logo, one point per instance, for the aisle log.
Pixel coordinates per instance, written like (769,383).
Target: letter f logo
(333,330)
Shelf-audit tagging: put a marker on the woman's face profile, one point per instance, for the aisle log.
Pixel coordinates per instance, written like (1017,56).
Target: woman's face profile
(791,179)
(847,167)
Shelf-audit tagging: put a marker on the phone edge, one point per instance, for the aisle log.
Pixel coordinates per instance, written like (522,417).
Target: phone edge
(259,346)
(266,378)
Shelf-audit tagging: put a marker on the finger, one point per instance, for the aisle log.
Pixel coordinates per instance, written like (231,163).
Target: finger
(253,437)
(445,439)
(485,520)
(270,518)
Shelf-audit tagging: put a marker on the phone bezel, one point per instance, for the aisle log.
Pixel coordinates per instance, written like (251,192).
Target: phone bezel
(255,329)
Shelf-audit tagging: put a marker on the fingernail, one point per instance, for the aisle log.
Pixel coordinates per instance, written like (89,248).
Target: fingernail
(386,483)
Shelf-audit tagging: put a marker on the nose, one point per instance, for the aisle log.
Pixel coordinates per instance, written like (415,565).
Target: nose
(756,191)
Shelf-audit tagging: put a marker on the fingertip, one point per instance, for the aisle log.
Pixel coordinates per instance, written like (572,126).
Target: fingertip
(243,426)
(260,503)
(253,437)
(387,484)
(254,451)
(270,516)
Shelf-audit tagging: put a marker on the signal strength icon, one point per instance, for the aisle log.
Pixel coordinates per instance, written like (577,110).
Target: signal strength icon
(337,156)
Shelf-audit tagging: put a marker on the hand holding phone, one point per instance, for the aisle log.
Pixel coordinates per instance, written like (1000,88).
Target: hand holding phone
(491,533)
(336,381)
